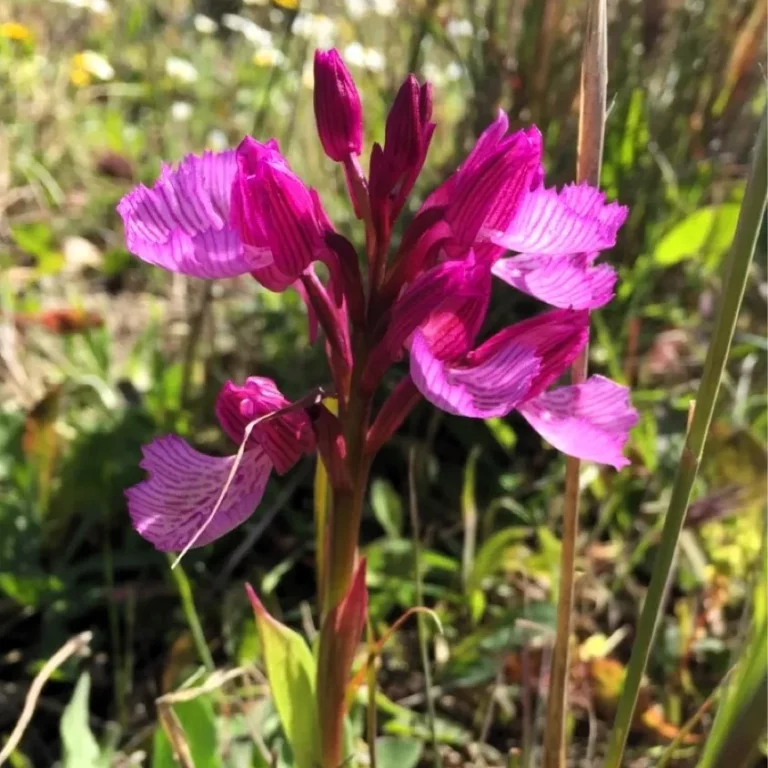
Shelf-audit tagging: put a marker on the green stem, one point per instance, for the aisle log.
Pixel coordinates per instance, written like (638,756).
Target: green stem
(737,271)
(344,524)
(422,627)
(190,613)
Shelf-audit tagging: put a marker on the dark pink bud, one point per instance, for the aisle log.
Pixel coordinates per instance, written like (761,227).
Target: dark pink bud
(404,131)
(284,434)
(338,112)
(407,136)
(280,219)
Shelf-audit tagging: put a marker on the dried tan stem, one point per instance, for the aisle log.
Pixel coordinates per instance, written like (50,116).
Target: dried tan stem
(77,645)
(594,79)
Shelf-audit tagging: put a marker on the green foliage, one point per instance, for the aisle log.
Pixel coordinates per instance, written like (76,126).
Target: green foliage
(291,671)
(705,235)
(683,110)
(81,750)
(196,720)
(398,753)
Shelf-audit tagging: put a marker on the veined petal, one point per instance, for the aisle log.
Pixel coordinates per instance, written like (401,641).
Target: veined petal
(570,282)
(446,291)
(182,223)
(173,504)
(574,220)
(492,388)
(590,421)
(284,437)
(556,337)
(508,369)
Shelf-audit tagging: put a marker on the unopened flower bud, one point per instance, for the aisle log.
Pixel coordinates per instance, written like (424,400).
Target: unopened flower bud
(338,112)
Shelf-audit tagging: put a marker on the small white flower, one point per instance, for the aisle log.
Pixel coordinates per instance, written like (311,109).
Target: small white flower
(180,69)
(366,58)
(316,27)
(269,57)
(357,8)
(205,25)
(96,65)
(354,55)
(459,28)
(374,60)
(433,73)
(217,140)
(385,7)
(250,30)
(181,111)
(99,7)
(453,71)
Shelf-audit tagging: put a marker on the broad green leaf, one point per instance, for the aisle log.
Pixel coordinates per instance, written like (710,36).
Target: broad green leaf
(398,753)
(705,234)
(387,507)
(197,718)
(291,673)
(79,745)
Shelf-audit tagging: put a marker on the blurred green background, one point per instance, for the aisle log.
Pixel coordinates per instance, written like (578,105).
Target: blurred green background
(99,353)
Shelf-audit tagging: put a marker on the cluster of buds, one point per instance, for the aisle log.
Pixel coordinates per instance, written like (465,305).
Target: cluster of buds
(244,211)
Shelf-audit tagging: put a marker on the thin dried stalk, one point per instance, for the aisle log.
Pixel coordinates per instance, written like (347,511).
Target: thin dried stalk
(77,645)
(594,79)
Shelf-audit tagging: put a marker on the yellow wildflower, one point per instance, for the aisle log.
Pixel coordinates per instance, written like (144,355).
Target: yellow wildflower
(289,5)
(14,30)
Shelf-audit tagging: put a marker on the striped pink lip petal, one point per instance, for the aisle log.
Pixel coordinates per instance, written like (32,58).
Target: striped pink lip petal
(570,282)
(590,421)
(182,222)
(175,502)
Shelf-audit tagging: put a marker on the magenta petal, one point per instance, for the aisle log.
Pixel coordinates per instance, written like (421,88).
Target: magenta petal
(284,437)
(590,421)
(449,288)
(173,504)
(557,337)
(278,216)
(182,222)
(574,220)
(570,282)
(492,388)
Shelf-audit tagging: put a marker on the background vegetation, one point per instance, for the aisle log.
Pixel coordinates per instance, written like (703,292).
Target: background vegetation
(98,354)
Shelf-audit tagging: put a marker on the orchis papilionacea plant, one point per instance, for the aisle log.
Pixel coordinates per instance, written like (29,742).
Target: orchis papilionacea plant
(244,211)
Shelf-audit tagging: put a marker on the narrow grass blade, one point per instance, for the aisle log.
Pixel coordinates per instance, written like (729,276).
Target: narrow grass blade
(736,273)
(422,627)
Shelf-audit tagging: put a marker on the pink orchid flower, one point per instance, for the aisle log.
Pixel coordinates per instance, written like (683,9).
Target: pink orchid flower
(244,211)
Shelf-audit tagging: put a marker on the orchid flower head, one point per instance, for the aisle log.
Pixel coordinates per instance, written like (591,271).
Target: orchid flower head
(245,212)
